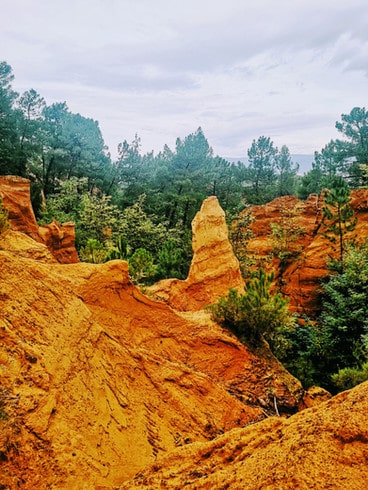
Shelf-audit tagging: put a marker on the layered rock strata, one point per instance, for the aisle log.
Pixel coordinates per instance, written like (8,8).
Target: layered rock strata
(300,277)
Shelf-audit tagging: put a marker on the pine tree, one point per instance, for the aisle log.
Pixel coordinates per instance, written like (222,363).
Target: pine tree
(170,260)
(256,314)
(344,318)
(141,265)
(338,216)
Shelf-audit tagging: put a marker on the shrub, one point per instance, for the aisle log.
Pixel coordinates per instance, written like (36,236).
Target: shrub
(4,222)
(349,377)
(256,314)
(170,261)
(94,252)
(298,348)
(141,266)
(121,251)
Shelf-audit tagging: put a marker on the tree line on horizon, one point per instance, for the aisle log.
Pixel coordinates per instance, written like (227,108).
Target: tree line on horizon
(74,178)
(155,195)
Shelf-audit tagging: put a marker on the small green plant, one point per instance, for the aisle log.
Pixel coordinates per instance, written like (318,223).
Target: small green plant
(255,315)
(4,221)
(349,377)
(286,235)
(141,265)
(121,251)
(94,252)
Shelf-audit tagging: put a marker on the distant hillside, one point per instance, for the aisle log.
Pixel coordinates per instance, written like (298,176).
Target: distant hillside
(304,160)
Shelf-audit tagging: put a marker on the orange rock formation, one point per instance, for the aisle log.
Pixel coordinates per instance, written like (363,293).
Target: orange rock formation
(322,447)
(97,380)
(301,278)
(214,268)
(60,239)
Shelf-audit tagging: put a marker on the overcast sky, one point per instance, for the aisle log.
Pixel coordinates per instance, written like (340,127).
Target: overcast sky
(240,69)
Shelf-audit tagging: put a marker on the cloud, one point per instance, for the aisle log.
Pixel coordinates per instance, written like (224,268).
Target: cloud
(238,69)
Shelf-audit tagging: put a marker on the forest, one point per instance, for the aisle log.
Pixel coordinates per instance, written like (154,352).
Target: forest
(139,207)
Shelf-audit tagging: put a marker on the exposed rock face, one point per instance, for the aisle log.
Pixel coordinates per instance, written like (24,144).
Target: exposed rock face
(214,268)
(300,280)
(323,447)
(98,380)
(24,246)
(15,192)
(314,396)
(60,240)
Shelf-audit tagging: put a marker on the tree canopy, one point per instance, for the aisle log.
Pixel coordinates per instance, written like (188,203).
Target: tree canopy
(346,158)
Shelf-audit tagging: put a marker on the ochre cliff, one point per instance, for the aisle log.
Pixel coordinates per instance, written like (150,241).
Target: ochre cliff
(97,380)
(60,239)
(322,447)
(214,268)
(300,279)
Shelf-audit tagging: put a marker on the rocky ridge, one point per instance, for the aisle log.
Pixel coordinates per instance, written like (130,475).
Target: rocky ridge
(99,380)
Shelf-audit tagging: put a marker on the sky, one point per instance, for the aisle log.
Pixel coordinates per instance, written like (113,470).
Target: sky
(239,69)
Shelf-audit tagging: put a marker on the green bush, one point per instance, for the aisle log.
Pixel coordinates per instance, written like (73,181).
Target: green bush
(4,222)
(349,377)
(141,266)
(297,346)
(170,261)
(256,314)
(93,252)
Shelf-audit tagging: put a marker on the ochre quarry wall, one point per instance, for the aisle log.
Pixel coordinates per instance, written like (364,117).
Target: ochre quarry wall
(59,239)
(300,280)
(97,380)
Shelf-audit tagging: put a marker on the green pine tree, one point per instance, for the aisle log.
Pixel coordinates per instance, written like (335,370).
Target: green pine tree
(141,265)
(170,260)
(255,315)
(338,216)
